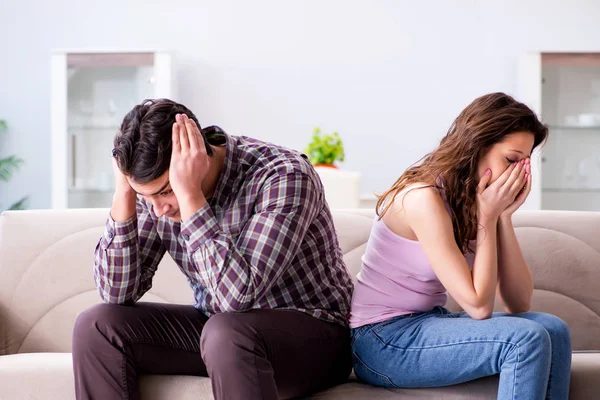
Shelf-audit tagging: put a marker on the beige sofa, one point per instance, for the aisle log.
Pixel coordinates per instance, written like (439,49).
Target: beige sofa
(46,280)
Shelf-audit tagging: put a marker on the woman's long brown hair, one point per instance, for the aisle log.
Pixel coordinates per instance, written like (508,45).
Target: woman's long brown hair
(452,167)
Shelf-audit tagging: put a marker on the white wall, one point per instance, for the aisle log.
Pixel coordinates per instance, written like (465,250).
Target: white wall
(390,76)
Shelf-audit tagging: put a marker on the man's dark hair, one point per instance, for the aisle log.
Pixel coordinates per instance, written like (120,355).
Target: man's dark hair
(143,144)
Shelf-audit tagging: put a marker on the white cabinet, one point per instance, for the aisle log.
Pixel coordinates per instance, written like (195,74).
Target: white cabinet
(342,188)
(564,89)
(91,93)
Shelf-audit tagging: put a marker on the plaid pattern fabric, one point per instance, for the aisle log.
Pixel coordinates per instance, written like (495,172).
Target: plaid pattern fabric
(266,239)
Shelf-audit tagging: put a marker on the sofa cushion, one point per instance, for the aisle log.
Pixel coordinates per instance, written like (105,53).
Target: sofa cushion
(49,376)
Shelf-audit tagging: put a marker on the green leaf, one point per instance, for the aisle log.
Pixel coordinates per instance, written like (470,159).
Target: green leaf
(325,148)
(19,205)
(8,166)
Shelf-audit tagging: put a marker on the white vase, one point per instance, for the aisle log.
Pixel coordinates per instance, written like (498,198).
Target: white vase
(342,188)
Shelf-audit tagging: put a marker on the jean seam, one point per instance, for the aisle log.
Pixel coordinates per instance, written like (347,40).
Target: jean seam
(385,377)
(455,343)
(462,342)
(442,345)
(516,369)
(549,372)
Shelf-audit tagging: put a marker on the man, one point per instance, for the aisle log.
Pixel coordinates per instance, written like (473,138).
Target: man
(248,225)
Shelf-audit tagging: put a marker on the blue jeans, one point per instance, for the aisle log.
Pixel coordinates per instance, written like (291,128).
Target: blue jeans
(531,352)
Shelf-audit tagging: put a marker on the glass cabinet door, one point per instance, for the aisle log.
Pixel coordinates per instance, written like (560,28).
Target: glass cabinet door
(99,89)
(571,108)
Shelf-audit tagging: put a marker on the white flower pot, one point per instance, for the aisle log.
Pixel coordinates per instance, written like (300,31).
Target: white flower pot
(342,188)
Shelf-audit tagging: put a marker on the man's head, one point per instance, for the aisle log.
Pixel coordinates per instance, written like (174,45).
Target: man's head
(142,149)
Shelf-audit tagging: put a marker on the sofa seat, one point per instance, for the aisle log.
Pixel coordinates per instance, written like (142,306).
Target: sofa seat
(49,376)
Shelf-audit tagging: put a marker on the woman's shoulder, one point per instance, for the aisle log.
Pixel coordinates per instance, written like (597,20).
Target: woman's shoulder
(419,194)
(416,202)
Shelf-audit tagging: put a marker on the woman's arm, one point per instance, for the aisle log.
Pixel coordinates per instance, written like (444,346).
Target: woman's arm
(515,283)
(427,216)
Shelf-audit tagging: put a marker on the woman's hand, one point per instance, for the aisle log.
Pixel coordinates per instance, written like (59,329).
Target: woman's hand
(495,199)
(522,195)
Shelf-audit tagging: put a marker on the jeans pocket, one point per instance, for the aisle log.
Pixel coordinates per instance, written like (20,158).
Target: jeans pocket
(356,333)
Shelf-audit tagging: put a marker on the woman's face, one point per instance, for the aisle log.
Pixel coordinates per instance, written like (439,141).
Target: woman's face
(515,147)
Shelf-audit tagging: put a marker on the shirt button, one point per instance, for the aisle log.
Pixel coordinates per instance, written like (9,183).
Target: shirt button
(111,235)
(186,236)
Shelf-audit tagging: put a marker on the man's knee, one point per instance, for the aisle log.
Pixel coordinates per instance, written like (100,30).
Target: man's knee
(91,325)
(226,340)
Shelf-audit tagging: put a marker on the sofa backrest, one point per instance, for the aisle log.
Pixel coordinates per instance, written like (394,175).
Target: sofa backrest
(46,271)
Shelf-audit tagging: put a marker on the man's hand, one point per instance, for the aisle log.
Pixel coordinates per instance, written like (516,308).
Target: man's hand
(122,185)
(189,166)
(522,196)
(124,198)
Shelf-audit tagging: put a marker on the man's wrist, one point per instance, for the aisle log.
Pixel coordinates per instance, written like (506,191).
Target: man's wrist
(189,205)
(123,205)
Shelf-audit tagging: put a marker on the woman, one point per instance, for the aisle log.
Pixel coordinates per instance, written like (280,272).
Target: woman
(445,226)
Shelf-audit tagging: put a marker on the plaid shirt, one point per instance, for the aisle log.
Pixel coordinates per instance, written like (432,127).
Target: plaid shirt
(266,240)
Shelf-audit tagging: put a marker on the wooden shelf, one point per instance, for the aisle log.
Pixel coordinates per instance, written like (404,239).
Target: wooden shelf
(110,59)
(576,59)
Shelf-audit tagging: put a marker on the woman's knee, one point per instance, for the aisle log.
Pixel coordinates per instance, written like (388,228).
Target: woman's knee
(556,327)
(534,334)
(558,330)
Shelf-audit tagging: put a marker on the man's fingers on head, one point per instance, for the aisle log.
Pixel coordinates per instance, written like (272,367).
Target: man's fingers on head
(183,135)
(175,138)
(192,132)
(196,129)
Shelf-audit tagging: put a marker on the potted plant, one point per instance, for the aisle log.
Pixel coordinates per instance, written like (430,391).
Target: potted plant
(8,166)
(325,149)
